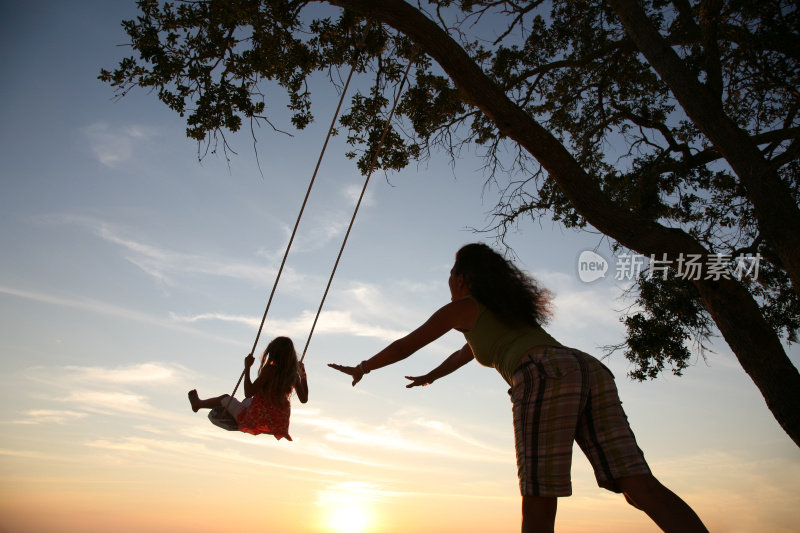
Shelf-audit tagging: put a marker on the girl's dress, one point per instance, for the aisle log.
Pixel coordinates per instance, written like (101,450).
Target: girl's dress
(262,416)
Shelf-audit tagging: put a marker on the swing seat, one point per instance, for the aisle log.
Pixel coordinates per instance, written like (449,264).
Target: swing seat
(222,418)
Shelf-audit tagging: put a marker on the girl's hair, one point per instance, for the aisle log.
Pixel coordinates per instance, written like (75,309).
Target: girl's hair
(280,360)
(515,297)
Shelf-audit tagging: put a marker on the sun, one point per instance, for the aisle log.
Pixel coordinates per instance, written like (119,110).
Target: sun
(349,518)
(347,507)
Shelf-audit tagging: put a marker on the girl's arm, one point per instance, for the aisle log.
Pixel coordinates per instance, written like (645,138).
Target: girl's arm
(250,388)
(448,366)
(460,314)
(301,387)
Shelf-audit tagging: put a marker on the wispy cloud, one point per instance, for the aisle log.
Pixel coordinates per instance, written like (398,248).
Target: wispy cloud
(164,264)
(187,452)
(583,309)
(212,317)
(363,308)
(350,492)
(85,304)
(330,322)
(122,390)
(113,146)
(103,308)
(108,402)
(142,374)
(325,229)
(50,416)
(160,262)
(339,322)
(352,191)
(449,433)
(420,436)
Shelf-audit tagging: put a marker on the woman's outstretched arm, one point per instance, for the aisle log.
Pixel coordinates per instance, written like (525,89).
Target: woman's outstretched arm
(460,314)
(448,366)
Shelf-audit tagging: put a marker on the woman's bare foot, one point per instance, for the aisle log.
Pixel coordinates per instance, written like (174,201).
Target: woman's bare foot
(194,399)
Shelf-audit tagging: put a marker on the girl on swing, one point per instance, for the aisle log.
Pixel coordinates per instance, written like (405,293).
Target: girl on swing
(266,407)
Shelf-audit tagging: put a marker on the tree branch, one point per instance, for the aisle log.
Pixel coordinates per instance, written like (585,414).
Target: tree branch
(777,213)
(733,308)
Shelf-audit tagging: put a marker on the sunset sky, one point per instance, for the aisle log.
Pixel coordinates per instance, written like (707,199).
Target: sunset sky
(131,273)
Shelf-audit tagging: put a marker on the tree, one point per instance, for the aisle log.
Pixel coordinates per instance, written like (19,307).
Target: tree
(669,126)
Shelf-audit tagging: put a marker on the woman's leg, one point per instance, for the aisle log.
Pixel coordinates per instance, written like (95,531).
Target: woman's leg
(547,400)
(662,505)
(538,514)
(209,403)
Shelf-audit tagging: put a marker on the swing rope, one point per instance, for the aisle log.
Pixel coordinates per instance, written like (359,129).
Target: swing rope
(358,204)
(305,202)
(299,216)
(352,219)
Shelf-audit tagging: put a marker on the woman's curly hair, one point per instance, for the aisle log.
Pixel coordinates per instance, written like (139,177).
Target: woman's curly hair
(515,297)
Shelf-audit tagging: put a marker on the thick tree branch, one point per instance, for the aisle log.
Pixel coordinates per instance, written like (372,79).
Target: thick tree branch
(636,233)
(736,313)
(708,155)
(777,213)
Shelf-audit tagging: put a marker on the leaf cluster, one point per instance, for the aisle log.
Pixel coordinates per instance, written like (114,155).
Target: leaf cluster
(670,315)
(570,65)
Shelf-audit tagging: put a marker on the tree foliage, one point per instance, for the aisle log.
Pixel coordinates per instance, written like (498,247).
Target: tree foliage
(628,115)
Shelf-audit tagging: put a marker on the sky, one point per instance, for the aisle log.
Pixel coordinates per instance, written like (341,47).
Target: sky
(131,273)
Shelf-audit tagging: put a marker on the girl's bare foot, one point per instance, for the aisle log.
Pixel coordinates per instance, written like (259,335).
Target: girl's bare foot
(194,399)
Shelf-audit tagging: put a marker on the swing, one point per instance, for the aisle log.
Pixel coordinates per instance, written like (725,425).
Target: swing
(222,418)
(219,416)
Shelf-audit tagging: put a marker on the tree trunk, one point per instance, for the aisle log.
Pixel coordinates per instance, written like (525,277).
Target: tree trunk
(755,343)
(777,213)
(757,348)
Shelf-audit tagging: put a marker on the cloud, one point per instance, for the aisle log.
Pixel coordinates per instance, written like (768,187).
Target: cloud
(353,191)
(365,297)
(85,304)
(50,416)
(587,308)
(160,263)
(30,454)
(343,323)
(360,305)
(330,322)
(220,317)
(325,228)
(763,490)
(163,263)
(583,310)
(186,452)
(121,390)
(124,445)
(111,147)
(142,373)
(107,402)
(448,432)
(103,308)
(348,492)
(420,436)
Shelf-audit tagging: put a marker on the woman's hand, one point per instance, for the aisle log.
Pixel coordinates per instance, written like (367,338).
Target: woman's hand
(249,360)
(354,371)
(419,381)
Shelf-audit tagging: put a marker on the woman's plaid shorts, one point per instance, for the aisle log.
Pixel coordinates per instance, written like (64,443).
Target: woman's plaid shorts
(561,395)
